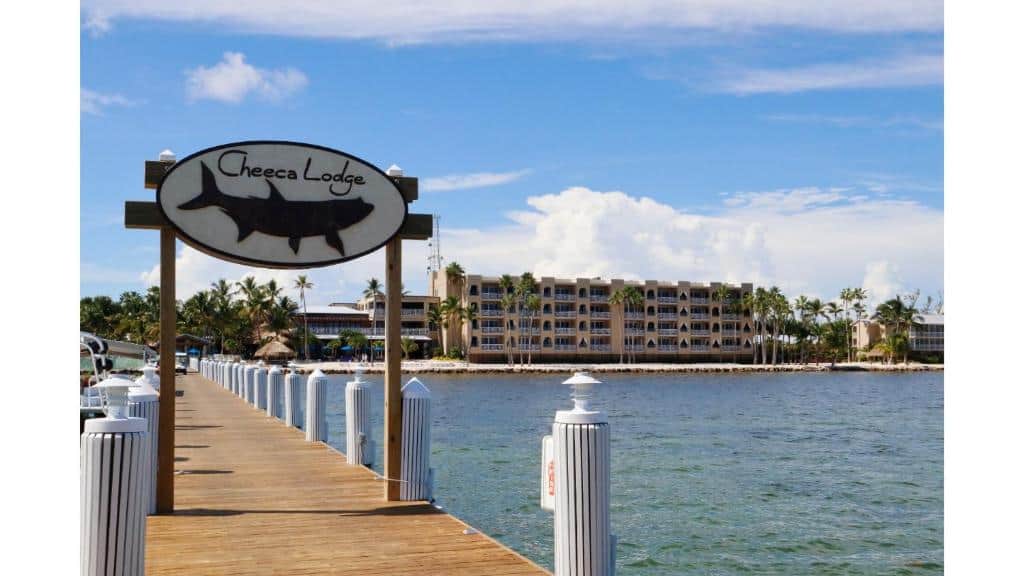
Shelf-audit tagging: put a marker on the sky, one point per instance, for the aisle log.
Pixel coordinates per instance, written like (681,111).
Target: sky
(779,143)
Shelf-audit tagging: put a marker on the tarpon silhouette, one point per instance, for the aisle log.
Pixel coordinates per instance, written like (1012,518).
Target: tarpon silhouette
(277,216)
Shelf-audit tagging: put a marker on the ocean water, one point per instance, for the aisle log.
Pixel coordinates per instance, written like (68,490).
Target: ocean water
(711,474)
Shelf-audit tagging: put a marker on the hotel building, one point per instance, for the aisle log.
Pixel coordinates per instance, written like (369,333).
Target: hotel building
(367,316)
(677,322)
(926,338)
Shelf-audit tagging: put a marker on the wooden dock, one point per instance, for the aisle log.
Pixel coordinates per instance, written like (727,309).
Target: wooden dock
(253,497)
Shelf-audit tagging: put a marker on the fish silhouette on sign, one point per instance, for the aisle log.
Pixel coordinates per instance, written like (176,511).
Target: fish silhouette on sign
(278,216)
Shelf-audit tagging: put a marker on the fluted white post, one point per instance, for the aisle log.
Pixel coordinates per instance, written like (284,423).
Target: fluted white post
(292,393)
(250,382)
(261,388)
(359,447)
(417,476)
(113,480)
(584,544)
(316,407)
(144,402)
(239,376)
(275,382)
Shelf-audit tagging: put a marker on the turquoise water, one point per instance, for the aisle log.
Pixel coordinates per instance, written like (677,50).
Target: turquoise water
(711,474)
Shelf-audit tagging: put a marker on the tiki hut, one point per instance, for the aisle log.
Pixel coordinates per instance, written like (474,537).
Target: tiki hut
(274,350)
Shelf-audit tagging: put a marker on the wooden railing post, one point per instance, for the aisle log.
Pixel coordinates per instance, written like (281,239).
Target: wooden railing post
(168,321)
(393,368)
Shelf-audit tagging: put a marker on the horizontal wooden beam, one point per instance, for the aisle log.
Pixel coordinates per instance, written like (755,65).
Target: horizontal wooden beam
(147,216)
(156,169)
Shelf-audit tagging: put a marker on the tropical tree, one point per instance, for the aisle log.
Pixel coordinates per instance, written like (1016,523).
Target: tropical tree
(532,306)
(409,346)
(525,286)
(616,300)
(508,306)
(899,315)
(303,284)
(451,309)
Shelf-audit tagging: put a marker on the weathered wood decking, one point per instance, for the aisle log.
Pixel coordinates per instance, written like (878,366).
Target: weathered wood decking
(253,497)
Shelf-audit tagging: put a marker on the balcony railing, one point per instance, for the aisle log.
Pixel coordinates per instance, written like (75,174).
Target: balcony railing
(700,332)
(565,297)
(493,329)
(666,348)
(634,316)
(565,313)
(490,295)
(492,347)
(534,348)
(730,348)
(565,348)
(490,312)
(598,297)
(634,348)
(666,316)
(730,316)
(668,299)
(600,348)
(600,314)
(600,330)
(698,300)
(668,331)
(565,330)
(700,316)
(700,348)
(411,312)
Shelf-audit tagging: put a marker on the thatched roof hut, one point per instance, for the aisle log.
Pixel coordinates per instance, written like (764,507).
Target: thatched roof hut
(274,350)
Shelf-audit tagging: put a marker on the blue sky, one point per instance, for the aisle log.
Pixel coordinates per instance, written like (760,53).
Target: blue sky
(800,149)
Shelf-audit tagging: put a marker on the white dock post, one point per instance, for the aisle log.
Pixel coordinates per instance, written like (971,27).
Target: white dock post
(316,407)
(239,378)
(232,376)
(144,402)
(359,447)
(275,382)
(292,393)
(248,393)
(417,476)
(584,545)
(112,483)
(260,401)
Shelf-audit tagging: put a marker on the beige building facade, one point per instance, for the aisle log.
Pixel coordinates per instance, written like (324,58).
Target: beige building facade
(677,321)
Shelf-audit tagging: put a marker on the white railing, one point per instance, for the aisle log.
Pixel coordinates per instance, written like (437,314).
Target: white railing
(598,297)
(666,348)
(565,313)
(600,314)
(493,329)
(668,331)
(730,348)
(565,330)
(414,331)
(698,300)
(535,347)
(666,316)
(487,312)
(700,348)
(668,299)
(699,316)
(565,348)
(492,347)
(730,316)
(634,316)
(486,295)
(600,348)
(600,330)
(412,312)
(565,297)
(698,332)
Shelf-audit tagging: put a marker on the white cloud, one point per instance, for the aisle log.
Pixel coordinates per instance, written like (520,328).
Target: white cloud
(473,180)
(95,103)
(412,21)
(858,121)
(232,79)
(907,70)
(96,23)
(805,240)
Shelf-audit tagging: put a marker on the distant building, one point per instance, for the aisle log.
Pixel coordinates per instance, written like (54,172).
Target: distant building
(926,338)
(367,317)
(679,321)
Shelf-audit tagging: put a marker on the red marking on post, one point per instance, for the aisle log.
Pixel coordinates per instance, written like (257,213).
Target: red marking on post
(551,478)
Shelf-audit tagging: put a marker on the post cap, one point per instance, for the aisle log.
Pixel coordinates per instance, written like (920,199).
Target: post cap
(415,389)
(167,156)
(395,170)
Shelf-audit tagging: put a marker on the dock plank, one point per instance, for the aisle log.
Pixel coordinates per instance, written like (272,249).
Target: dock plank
(253,497)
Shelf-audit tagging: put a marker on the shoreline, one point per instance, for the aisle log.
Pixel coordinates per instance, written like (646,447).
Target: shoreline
(453,367)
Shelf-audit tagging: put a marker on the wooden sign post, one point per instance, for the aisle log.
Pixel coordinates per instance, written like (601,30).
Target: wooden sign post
(292,222)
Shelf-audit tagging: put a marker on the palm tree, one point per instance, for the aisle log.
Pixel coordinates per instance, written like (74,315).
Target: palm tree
(469,315)
(372,292)
(900,316)
(303,284)
(508,306)
(634,302)
(254,302)
(408,346)
(617,301)
(450,309)
(525,286)
(533,311)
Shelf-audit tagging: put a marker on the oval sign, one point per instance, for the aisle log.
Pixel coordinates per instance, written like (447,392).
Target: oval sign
(281,204)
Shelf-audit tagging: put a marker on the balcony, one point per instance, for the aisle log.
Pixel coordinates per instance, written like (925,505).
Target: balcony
(527,331)
(699,300)
(730,317)
(634,348)
(668,299)
(700,316)
(493,329)
(492,347)
(487,295)
(700,348)
(489,312)
(565,313)
(634,316)
(594,314)
(598,297)
(730,348)
(700,332)
(668,331)
(565,330)
(565,297)
(600,330)
(533,348)
(634,332)
(666,316)
(414,332)
(412,312)
(666,348)
(600,348)
(565,348)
